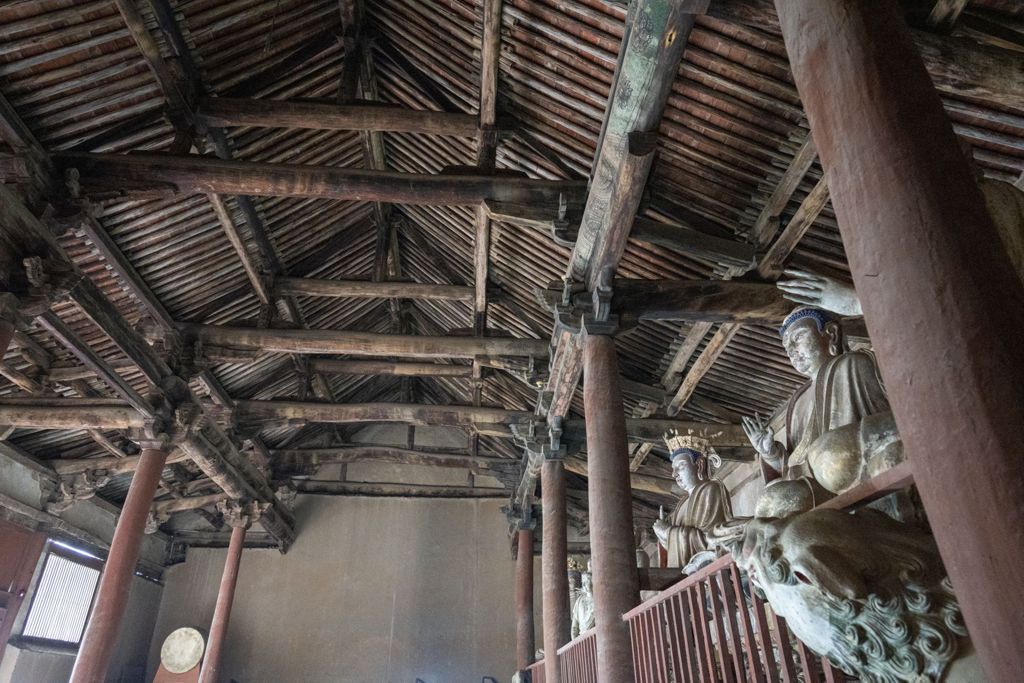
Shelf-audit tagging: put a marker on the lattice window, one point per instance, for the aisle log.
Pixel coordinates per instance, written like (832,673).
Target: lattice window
(63,597)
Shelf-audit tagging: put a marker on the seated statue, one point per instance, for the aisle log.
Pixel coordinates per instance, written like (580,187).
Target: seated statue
(838,428)
(868,592)
(704,519)
(583,607)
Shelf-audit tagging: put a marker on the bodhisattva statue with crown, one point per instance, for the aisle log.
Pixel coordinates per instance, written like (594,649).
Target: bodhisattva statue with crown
(837,429)
(703,520)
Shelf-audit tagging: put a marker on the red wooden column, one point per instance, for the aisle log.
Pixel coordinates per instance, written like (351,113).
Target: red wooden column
(525,645)
(612,551)
(239,517)
(115,582)
(554,566)
(943,306)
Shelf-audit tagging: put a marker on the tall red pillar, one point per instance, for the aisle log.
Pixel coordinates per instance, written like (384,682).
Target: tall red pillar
(239,517)
(943,306)
(115,581)
(525,645)
(612,551)
(554,566)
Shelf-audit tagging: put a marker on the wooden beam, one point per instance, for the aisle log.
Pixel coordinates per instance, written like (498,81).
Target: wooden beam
(362,343)
(375,490)
(944,14)
(331,366)
(363,289)
(486,152)
(703,300)
(119,174)
(693,242)
(252,269)
(112,465)
(773,262)
(638,482)
(178,99)
(702,365)
(290,458)
(168,507)
(50,322)
(766,226)
(298,412)
(69,413)
(228,111)
(648,62)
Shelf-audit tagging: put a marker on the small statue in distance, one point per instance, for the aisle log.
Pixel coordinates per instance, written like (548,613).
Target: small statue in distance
(583,607)
(704,519)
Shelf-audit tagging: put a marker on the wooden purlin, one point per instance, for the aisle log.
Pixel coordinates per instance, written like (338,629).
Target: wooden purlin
(648,63)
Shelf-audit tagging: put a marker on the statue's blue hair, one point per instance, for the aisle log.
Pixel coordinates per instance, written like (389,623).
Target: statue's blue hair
(819,316)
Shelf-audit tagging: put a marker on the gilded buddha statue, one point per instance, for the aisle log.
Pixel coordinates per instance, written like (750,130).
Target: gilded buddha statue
(836,430)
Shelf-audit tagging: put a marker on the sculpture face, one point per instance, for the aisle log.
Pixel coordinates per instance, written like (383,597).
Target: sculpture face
(685,473)
(808,348)
(866,591)
(588,583)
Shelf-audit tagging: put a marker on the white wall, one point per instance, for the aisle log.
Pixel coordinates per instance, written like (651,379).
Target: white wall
(374,589)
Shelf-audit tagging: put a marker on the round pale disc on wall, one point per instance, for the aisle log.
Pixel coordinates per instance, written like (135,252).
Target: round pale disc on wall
(182,650)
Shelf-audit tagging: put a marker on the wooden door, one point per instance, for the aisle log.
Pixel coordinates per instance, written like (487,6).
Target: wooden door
(19,553)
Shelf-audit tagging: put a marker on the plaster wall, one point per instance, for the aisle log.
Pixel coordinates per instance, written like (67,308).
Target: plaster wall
(374,590)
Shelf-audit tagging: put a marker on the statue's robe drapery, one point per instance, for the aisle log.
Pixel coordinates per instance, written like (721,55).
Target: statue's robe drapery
(582,614)
(706,510)
(845,390)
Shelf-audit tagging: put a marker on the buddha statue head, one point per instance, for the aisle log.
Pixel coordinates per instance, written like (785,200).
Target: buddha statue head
(692,459)
(810,336)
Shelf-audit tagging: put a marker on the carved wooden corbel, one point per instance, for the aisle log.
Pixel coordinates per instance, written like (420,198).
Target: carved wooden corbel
(75,487)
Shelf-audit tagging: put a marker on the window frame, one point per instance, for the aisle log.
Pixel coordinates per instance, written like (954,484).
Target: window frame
(70,554)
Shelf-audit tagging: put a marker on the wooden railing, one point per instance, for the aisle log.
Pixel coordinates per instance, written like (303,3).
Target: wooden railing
(577,659)
(706,628)
(711,628)
(536,671)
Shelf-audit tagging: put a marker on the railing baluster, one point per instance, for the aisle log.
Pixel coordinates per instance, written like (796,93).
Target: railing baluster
(675,637)
(832,674)
(808,663)
(723,641)
(692,650)
(638,644)
(742,608)
(700,603)
(781,633)
(726,594)
(764,635)
(661,659)
(649,651)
